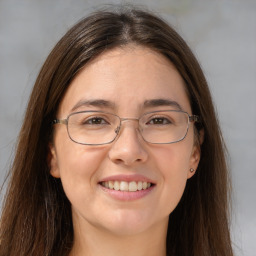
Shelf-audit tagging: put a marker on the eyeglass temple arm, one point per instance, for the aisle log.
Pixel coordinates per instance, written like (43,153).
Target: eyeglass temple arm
(60,121)
(194,118)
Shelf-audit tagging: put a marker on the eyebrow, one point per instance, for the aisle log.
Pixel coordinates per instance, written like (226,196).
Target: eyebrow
(162,102)
(108,104)
(96,103)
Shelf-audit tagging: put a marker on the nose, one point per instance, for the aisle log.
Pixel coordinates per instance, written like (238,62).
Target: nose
(128,147)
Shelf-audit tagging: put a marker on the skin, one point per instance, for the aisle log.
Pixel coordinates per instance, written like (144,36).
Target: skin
(127,77)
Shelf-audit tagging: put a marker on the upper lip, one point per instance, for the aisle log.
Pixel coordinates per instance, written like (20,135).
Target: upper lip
(128,178)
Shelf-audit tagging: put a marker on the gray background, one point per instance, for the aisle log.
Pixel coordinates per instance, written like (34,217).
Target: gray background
(222,34)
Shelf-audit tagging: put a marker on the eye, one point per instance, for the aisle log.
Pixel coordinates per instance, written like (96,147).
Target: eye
(159,121)
(95,121)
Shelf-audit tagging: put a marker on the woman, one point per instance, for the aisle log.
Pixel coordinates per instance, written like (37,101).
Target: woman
(120,151)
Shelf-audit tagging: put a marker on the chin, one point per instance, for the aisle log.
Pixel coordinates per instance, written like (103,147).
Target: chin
(130,222)
(127,230)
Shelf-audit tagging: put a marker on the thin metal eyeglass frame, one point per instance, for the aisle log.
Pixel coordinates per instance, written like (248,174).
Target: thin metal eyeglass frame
(191,119)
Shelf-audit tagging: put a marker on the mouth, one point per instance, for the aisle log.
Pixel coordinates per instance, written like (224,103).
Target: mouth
(132,186)
(127,187)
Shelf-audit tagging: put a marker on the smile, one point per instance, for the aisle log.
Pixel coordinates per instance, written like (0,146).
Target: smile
(131,186)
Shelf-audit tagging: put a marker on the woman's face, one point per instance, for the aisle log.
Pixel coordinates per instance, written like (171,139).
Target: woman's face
(124,81)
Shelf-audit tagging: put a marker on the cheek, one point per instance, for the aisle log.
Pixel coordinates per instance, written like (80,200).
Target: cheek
(78,166)
(173,165)
(75,159)
(173,160)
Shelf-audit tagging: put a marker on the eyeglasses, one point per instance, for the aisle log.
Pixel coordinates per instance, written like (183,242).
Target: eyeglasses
(98,128)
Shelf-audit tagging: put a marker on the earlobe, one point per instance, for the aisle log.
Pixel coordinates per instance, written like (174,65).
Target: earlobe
(52,161)
(194,160)
(196,154)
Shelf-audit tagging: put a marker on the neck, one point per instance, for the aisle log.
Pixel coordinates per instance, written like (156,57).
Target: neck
(90,240)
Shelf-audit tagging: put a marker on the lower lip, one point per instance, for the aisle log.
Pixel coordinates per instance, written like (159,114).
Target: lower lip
(125,195)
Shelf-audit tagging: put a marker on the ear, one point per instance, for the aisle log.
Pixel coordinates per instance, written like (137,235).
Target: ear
(52,161)
(196,154)
(201,136)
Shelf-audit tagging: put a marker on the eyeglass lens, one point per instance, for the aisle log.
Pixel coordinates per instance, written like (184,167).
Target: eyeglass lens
(95,128)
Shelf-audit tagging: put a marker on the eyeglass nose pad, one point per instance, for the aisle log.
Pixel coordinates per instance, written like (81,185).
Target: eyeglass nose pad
(117,129)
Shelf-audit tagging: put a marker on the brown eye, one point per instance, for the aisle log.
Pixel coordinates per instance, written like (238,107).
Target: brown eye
(159,121)
(95,121)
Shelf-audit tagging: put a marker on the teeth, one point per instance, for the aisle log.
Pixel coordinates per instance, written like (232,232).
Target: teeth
(110,184)
(124,186)
(131,186)
(116,185)
(140,185)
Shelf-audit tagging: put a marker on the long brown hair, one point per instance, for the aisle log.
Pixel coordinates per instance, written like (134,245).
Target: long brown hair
(36,217)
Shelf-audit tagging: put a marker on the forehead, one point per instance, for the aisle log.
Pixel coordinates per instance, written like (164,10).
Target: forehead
(126,78)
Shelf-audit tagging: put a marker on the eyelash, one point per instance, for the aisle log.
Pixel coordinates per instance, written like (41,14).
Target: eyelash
(163,120)
(104,120)
(92,119)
